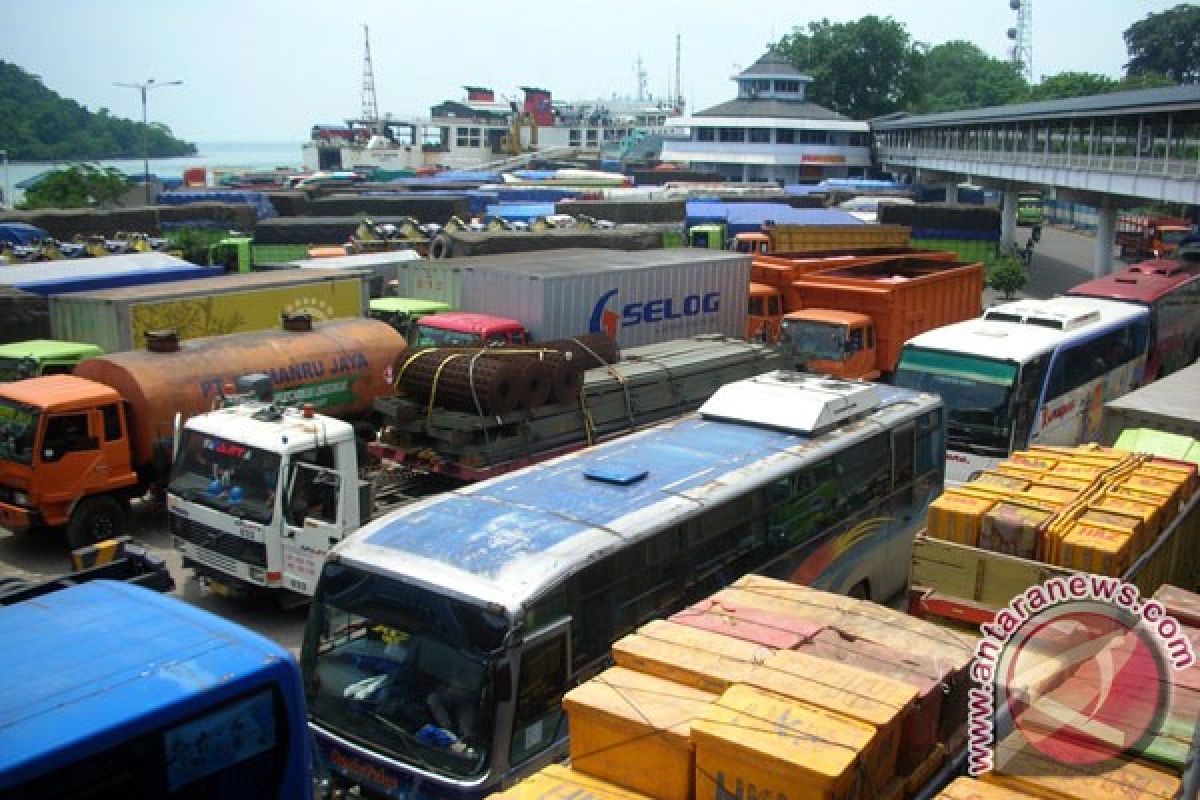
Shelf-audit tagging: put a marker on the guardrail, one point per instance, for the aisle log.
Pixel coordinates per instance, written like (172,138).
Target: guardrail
(1135,165)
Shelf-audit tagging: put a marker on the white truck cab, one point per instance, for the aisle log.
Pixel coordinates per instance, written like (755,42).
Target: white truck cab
(259,494)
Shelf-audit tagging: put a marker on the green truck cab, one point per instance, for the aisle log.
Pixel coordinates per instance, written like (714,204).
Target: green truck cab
(1029,208)
(401,312)
(241,254)
(37,357)
(707,236)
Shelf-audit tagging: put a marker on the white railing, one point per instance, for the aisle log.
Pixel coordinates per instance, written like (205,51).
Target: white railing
(1143,165)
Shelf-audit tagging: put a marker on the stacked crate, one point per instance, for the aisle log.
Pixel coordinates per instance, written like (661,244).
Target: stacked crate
(1087,508)
(772,689)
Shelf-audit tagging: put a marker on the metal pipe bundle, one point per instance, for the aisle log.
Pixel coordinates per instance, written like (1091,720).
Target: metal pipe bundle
(463,379)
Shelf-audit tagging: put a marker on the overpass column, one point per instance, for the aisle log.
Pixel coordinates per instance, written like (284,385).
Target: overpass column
(1008,217)
(1106,238)
(951,192)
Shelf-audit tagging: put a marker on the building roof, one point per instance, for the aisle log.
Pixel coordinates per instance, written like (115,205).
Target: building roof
(773,64)
(1139,101)
(773,107)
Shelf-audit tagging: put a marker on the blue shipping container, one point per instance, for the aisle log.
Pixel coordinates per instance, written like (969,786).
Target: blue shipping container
(106,272)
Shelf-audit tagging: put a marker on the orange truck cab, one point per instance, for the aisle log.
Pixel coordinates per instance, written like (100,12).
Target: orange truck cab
(1151,237)
(764,314)
(65,457)
(466,329)
(758,243)
(837,343)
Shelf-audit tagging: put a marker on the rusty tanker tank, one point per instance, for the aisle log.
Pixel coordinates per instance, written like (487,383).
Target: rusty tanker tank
(340,367)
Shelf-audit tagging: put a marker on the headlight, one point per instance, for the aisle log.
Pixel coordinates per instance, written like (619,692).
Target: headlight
(20,498)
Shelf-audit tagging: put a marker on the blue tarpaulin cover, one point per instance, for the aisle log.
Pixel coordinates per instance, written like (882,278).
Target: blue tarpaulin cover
(20,233)
(262,205)
(519,212)
(106,272)
(749,217)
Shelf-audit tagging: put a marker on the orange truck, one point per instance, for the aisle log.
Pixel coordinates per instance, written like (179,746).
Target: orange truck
(770,276)
(1142,237)
(795,240)
(75,449)
(851,322)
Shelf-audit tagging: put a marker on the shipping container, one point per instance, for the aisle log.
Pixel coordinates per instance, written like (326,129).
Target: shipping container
(637,297)
(118,319)
(437,280)
(1168,405)
(384,268)
(105,272)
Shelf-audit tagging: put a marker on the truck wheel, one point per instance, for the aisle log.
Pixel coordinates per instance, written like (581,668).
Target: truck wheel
(94,520)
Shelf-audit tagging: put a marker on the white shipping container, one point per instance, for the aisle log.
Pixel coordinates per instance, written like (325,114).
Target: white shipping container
(432,279)
(639,297)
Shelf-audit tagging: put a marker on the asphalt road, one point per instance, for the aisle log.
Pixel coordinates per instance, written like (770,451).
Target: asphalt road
(1061,260)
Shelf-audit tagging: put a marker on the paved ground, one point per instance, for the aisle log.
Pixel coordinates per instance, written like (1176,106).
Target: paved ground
(1061,260)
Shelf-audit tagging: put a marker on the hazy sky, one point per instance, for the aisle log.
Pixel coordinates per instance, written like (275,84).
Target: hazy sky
(267,70)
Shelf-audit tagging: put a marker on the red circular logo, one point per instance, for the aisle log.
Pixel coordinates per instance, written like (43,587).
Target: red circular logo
(1083,684)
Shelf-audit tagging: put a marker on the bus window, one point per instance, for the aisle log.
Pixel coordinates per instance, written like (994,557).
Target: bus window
(539,721)
(863,474)
(1029,393)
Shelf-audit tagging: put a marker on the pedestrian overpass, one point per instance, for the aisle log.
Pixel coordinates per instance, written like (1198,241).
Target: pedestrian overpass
(1110,151)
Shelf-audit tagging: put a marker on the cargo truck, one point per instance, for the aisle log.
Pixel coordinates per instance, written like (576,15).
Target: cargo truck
(1050,510)
(795,240)
(275,539)
(37,357)
(382,268)
(402,312)
(75,449)
(1140,237)
(241,254)
(106,272)
(119,319)
(852,322)
(636,297)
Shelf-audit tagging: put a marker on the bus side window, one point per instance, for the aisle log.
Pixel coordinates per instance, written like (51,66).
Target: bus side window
(538,720)
(864,474)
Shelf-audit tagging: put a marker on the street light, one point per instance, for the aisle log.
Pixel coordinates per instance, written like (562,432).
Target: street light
(7,183)
(143,88)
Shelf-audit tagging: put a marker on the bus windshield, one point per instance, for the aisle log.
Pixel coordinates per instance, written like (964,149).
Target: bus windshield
(977,392)
(18,429)
(815,340)
(404,669)
(226,475)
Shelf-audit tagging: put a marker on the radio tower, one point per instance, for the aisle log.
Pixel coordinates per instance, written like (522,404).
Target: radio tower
(370,108)
(1021,51)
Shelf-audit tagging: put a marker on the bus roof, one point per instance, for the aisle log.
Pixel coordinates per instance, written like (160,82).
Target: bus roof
(88,666)
(505,540)
(1021,341)
(1140,283)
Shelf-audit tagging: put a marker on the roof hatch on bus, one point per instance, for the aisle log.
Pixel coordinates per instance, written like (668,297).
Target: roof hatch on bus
(792,401)
(1059,313)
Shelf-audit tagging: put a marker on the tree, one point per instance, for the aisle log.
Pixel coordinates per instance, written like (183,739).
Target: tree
(958,75)
(78,186)
(1167,43)
(1008,276)
(1073,84)
(863,69)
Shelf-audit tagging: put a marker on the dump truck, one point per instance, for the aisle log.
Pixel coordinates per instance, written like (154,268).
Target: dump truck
(37,357)
(119,319)
(796,240)
(1127,508)
(75,449)
(1140,237)
(851,322)
(241,254)
(270,539)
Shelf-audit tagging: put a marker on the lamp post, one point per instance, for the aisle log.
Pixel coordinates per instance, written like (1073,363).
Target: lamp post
(144,88)
(7,183)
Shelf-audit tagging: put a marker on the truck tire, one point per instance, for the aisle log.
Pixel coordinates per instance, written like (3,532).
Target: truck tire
(94,520)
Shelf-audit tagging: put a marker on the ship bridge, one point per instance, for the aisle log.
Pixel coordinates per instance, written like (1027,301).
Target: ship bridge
(1110,151)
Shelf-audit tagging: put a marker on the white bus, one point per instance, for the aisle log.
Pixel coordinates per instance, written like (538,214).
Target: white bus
(1028,372)
(442,637)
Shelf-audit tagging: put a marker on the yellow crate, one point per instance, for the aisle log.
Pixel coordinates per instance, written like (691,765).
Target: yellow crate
(772,746)
(1166,490)
(1024,769)
(971,789)
(1074,485)
(1025,471)
(1118,503)
(993,478)
(957,516)
(633,730)
(872,699)
(1050,494)
(1131,525)
(1039,461)
(1177,473)
(1014,529)
(690,656)
(556,782)
(1091,548)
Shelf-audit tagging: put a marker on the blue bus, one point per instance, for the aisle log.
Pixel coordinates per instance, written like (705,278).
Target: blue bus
(442,636)
(109,690)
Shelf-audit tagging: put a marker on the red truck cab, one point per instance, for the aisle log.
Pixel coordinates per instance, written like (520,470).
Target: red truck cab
(64,456)
(466,329)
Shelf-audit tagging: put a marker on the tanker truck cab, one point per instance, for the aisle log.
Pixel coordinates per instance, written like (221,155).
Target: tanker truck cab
(837,343)
(466,329)
(259,494)
(64,457)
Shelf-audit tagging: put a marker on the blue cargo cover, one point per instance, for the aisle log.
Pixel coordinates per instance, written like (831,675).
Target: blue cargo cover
(21,233)
(262,205)
(106,272)
(519,212)
(749,217)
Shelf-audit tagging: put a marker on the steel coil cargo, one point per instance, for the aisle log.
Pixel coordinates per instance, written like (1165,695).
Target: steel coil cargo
(463,379)
(340,367)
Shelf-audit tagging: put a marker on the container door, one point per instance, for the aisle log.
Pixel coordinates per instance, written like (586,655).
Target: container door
(314,521)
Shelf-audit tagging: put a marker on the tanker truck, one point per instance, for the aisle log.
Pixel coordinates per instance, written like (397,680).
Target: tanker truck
(75,449)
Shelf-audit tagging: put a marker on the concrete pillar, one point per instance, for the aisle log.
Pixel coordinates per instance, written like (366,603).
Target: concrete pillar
(1008,217)
(951,192)
(1106,239)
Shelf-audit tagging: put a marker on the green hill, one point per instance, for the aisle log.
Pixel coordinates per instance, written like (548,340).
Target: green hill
(37,124)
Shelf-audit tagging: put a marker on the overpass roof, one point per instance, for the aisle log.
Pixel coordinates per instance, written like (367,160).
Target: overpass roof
(1139,101)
